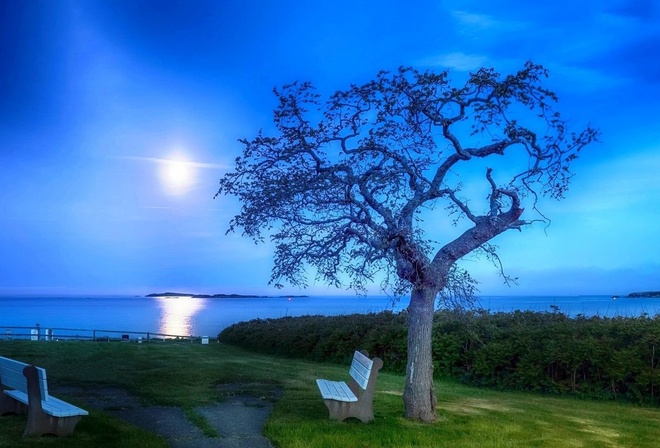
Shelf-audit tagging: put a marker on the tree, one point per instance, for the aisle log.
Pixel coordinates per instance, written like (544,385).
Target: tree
(344,185)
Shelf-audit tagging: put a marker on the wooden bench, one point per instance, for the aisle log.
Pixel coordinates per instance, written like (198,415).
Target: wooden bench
(27,393)
(354,399)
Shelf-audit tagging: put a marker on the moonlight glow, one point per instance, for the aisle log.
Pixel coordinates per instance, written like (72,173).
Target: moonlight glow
(177,176)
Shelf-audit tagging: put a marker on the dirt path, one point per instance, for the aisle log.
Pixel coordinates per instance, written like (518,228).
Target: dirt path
(239,420)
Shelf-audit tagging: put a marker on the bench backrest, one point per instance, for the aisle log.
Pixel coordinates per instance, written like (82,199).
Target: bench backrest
(11,375)
(361,369)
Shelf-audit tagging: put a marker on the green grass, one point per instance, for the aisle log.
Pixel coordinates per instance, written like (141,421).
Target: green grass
(188,375)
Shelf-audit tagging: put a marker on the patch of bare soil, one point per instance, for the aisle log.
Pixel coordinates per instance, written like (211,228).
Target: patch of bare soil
(239,419)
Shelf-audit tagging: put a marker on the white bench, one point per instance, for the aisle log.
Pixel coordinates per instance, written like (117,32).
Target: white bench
(355,398)
(27,393)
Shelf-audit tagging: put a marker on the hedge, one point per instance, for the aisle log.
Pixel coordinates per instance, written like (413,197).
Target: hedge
(546,352)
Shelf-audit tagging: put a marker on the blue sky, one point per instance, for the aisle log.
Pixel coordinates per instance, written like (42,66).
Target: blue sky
(97,99)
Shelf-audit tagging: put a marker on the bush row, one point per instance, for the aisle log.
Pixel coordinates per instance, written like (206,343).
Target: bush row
(546,352)
(321,338)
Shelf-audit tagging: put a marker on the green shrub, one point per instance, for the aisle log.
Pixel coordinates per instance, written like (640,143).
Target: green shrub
(546,352)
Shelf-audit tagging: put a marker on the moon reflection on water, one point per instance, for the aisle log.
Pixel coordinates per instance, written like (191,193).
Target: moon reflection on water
(177,314)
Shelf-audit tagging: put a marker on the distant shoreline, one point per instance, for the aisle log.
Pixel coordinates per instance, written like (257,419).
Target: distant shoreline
(645,294)
(216,296)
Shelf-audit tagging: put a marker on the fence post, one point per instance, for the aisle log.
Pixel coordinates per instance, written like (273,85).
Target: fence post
(94,335)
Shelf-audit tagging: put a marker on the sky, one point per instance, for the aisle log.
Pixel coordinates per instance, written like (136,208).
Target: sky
(118,118)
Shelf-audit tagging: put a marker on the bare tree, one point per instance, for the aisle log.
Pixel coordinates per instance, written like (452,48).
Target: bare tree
(341,187)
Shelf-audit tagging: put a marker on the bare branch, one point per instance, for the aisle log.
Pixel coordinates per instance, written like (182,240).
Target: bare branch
(338,188)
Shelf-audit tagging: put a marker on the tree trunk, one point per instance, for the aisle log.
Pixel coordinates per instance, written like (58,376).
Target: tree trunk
(418,396)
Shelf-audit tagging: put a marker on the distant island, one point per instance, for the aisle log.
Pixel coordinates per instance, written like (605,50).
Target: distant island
(651,294)
(212,296)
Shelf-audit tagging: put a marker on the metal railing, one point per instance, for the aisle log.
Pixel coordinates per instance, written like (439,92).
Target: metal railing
(39,333)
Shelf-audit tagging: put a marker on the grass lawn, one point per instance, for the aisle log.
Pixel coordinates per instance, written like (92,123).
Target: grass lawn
(187,375)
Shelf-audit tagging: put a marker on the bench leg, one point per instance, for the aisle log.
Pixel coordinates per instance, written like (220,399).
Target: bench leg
(10,406)
(40,423)
(341,410)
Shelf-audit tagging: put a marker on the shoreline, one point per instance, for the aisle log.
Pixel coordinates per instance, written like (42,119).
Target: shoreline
(216,296)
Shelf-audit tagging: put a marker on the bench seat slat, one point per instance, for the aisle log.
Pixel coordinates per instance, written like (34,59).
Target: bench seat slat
(17,395)
(336,390)
(59,408)
(53,406)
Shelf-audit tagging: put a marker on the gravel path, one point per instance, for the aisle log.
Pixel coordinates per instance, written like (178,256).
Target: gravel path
(239,420)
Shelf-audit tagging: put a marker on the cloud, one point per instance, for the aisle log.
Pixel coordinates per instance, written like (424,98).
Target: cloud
(577,78)
(639,9)
(469,21)
(191,164)
(457,60)
(634,60)
(178,174)
(619,185)
(597,46)
(472,19)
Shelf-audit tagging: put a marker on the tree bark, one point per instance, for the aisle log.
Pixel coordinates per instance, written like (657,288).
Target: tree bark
(418,395)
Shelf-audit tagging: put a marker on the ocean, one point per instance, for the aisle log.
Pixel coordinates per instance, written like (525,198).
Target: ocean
(112,315)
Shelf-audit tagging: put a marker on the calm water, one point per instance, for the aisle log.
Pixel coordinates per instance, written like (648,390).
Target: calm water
(188,316)
(174,316)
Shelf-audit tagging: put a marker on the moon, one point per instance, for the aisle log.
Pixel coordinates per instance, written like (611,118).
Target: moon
(177,176)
